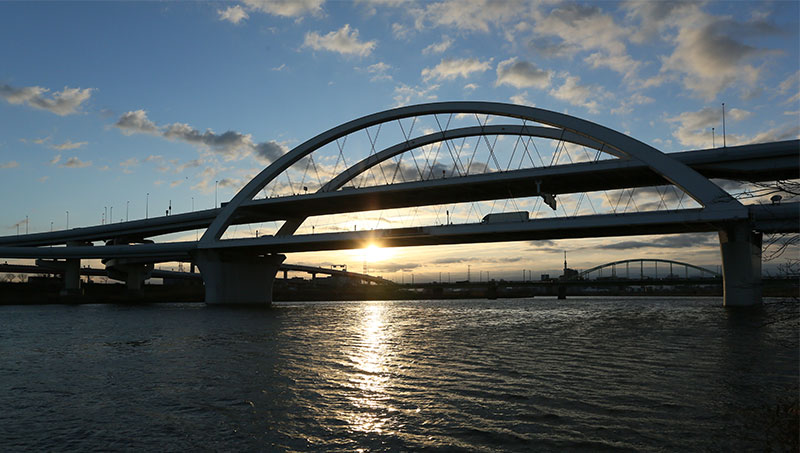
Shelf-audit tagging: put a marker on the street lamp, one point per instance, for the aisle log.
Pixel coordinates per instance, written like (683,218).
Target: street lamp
(216,184)
(127,205)
(146,205)
(67,219)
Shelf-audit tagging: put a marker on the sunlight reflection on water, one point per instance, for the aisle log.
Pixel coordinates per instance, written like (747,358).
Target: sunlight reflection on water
(369,355)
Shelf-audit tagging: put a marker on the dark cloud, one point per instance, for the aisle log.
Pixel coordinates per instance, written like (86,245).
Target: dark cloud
(665,242)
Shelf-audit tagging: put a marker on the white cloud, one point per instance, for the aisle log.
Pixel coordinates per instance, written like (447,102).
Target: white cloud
(438,47)
(65,102)
(279,68)
(470,15)
(286,8)
(521,74)
(56,159)
(9,164)
(471,86)
(710,55)
(522,99)
(378,71)
(406,95)
(344,41)
(136,122)
(230,144)
(576,94)
(790,131)
(67,145)
(694,128)
(233,14)
(74,162)
(450,68)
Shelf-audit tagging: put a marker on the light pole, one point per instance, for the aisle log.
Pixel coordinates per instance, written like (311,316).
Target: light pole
(146,204)
(105,214)
(111,215)
(127,205)
(192,204)
(216,184)
(67,219)
(26,224)
(51,226)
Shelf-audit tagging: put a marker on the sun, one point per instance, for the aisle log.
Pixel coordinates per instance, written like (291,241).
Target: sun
(374,252)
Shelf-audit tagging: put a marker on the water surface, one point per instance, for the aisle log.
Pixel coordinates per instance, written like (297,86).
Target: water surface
(585,374)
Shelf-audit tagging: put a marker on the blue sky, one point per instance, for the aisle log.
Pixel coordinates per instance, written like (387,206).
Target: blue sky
(102,103)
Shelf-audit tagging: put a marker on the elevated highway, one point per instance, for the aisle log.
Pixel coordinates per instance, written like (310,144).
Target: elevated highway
(753,163)
(241,270)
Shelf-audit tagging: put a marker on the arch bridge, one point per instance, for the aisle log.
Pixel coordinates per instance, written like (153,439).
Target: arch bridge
(447,161)
(598,270)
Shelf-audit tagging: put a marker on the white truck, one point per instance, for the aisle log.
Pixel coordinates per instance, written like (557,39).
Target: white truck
(505,217)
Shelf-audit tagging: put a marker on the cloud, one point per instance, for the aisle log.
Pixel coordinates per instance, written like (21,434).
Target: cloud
(438,47)
(472,15)
(127,164)
(61,103)
(710,55)
(393,267)
(378,71)
(136,122)
(521,74)
(230,144)
(576,94)
(694,128)
(233,14)
(286,8)
(789,131)
(56,159)
(522,99)
(9,164)
(450,68)
(471,86)
(67,145)
(406,95)
(74,162)
(690,240)
(343,41)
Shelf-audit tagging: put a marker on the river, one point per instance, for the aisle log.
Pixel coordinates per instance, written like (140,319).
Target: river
(582,374)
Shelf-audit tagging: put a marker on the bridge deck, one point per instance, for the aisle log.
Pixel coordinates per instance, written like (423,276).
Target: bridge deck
(762,162)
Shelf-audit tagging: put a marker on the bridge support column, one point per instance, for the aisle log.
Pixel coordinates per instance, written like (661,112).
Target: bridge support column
(133,274)
(238,278)
(72,273)
(72,278)
(741,265)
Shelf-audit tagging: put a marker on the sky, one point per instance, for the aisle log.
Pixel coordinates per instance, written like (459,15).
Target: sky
(116,110)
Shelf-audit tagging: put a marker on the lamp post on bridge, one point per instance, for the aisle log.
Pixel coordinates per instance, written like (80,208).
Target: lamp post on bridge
(127,205)
(216,184)
(67,219)
(146,205)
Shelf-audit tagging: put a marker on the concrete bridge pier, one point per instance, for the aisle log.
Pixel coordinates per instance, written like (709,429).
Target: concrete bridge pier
(238,278)
(741,265)
(133,274)
(72,272)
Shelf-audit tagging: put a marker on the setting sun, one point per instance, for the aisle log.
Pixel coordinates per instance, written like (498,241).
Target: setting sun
(374,252)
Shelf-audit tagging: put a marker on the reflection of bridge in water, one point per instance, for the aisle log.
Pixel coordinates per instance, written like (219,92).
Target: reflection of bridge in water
(242,269)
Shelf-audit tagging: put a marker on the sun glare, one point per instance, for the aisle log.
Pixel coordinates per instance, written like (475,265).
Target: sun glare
(374,252)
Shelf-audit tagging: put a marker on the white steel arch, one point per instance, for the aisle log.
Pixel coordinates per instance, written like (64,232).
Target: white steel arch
(709,195)
(362,166)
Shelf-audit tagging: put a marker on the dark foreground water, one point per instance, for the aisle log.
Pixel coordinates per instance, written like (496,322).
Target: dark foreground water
(510,375)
